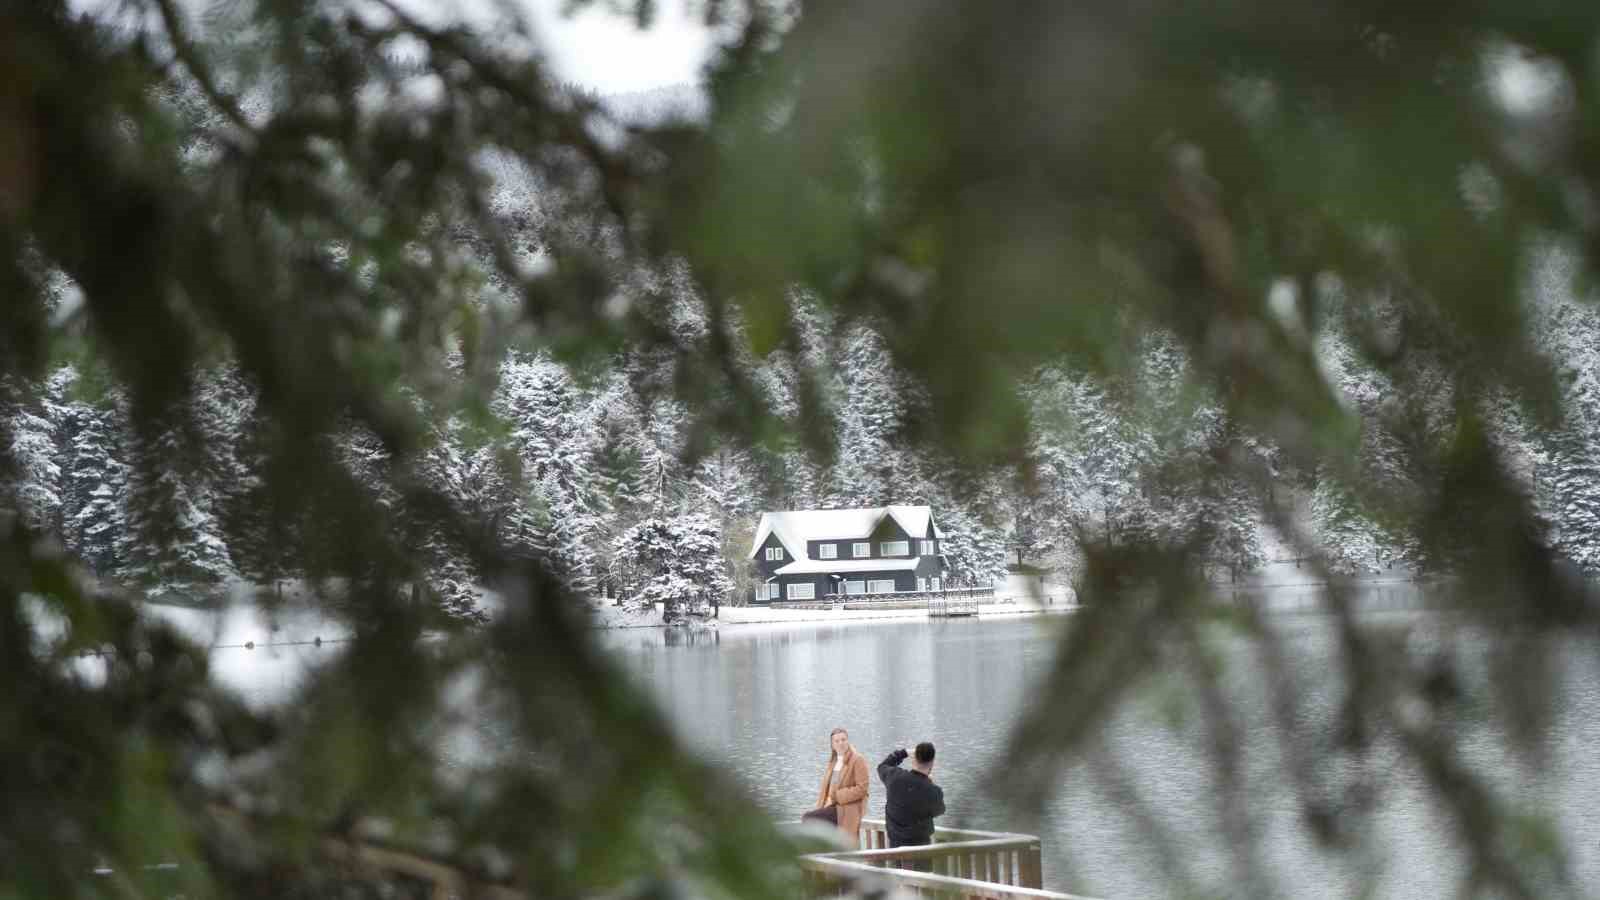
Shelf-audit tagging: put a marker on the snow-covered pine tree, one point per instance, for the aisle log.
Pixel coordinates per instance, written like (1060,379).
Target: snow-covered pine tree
(176,547)
(675,561)
(974,549)
(450,579)
(1347,533)
(871,465)
(1350,540)
(1089,458)
(729,486)
(661,483)
(1570,481)
(32,486)
(1232,509)
(555,446)
(724,483)
(94,519)
(1566,471)
(268,541)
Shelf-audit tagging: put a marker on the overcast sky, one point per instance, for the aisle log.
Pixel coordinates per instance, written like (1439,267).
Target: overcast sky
(596,48)
(603,50)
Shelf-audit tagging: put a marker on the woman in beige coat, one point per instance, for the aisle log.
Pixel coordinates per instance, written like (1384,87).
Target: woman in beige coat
(844,784)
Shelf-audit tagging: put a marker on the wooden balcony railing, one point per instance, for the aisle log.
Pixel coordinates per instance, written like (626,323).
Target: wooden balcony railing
(960,863)
(889,600)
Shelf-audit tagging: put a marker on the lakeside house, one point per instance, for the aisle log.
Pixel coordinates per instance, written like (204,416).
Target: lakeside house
(811,554)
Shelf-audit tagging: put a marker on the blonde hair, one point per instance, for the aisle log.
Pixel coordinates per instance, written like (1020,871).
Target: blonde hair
(832,753)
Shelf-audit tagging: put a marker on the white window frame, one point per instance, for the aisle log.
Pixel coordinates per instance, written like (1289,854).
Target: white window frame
(894,548)
(774,554)
(880,586)
(922,585)
(852,588)
(774,592)
(933,583)
(806,591)
(827,551)
(861,549)
(924,547)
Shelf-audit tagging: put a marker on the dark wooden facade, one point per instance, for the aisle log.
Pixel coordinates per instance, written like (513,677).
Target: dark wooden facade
(910,571)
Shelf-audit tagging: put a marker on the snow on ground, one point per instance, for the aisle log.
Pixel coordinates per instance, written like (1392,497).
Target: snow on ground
(606,614)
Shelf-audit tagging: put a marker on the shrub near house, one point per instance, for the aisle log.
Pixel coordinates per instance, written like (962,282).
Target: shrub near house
(813,553)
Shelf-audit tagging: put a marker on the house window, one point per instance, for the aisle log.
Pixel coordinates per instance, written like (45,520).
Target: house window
(828,551)
(802,592)
(772,591)
(922,584)
(881,586)
(774,553)
(894,548)
(925,548)
(855,587)
(861,550)
(933,583)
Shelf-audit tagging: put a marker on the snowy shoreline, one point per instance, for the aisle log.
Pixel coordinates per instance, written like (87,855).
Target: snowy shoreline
(1293,587)
(607,618)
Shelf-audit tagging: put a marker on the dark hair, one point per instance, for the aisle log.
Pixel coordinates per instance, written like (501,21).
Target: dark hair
(925,752)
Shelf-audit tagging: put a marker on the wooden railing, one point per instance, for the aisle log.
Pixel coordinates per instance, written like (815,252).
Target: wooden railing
(887,600)
(961,863)
(972,865)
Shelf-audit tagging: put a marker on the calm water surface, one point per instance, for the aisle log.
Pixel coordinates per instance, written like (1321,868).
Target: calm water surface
(763,698)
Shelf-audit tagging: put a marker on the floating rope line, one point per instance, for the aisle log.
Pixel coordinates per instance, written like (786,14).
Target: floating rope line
(251,645)
(317,641)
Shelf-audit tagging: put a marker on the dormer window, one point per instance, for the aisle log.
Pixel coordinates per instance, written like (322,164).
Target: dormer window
(861,549)
(894,548)
(775,554)
(827,551)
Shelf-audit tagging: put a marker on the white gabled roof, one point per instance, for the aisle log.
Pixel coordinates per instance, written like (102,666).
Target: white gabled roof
(796,526)
(814,566)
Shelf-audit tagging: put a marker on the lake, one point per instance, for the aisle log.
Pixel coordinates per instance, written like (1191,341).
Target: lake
(762,699)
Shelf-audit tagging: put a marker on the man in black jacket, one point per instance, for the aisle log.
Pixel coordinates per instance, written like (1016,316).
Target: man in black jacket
(913,800)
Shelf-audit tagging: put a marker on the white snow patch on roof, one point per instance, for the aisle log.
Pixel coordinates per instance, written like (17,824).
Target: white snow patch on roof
(795,527)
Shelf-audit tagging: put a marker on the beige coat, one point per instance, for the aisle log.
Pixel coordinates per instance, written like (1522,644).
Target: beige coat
(851,797)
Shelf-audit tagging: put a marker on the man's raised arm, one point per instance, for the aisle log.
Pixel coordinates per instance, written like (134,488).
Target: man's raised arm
(890,769)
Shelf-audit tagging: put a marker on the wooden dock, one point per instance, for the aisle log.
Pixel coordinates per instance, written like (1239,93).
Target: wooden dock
(953,604)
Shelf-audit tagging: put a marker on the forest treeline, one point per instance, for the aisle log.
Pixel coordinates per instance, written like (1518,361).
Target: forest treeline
(574,462)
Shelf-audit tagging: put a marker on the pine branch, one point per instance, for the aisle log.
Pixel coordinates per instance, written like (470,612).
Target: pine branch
(188,54)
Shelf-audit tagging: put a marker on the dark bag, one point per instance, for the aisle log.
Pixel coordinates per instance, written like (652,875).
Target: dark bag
(829,814)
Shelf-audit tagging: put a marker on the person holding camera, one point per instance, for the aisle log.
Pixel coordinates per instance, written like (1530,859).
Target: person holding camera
(913,801)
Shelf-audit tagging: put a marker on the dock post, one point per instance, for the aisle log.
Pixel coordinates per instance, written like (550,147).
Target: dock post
(1030,867)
